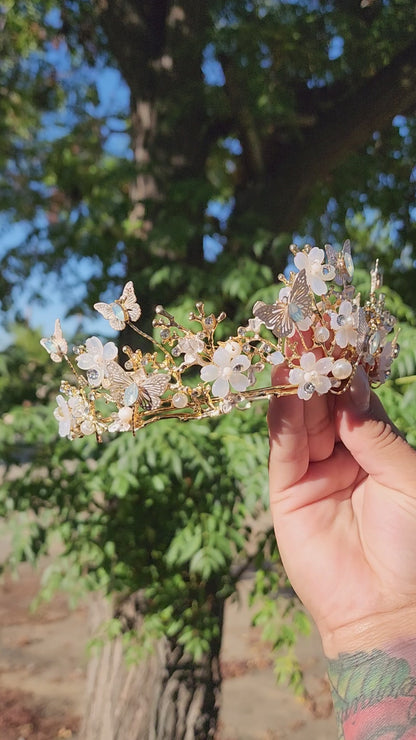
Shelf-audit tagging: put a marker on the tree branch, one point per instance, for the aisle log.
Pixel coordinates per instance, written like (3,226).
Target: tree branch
(343,129)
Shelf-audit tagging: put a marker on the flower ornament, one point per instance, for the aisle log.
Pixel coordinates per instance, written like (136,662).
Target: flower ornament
(94,360)
(122,420)
(345,323)
(312,375)
(317,332)
(255,324)
(317,274)
(191,347)
(72,415)
(55,345)
(226,369)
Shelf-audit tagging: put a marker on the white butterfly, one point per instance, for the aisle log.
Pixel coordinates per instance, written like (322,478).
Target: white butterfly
(121,310)
(56,345)
(342,262)
(282,316)
(128,388)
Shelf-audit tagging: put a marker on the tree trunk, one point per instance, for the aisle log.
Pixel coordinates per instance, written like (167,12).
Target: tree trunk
(167,696)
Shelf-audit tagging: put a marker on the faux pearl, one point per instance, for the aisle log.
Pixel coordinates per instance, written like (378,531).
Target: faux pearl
(180,400)
(321,334)
(341,369)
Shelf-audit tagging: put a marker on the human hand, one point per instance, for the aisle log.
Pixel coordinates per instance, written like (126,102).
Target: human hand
(343,501)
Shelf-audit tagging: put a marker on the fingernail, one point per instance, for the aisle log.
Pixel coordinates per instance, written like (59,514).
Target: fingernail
(360,390)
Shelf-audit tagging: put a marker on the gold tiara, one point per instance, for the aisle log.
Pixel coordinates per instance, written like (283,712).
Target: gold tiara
(317,330)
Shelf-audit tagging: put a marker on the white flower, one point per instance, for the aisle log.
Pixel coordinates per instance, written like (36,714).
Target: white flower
(63,416)
(316,272)
(275,358)
(311,376)
(56,344)
(255,324)
(191,346)
(227,369)
(95,359)
(345,324)
(72,414)
(122,420)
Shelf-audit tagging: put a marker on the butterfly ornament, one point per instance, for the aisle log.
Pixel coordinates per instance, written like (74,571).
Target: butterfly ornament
(341,261)
(282,316)
(129,388)
(122,310)
(55,345)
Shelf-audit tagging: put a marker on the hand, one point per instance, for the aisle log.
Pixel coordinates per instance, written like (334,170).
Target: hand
(343,501)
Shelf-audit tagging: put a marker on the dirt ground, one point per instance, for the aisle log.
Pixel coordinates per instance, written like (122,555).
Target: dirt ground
(42,674)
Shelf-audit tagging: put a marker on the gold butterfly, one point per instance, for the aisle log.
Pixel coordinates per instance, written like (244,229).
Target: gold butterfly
(128,388)
(121,310)
(282,316)
(56,345)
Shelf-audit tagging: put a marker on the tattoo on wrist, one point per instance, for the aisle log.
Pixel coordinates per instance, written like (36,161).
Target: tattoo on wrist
(374,693)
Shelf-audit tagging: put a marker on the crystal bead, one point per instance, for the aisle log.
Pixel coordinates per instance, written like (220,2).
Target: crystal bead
(241,331)
(164,333)
(349,265)
(374,342)
(247,348)
(176,352)
(131,394)
(118,311)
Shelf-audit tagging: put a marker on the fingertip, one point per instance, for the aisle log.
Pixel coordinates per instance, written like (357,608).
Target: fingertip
(359,392)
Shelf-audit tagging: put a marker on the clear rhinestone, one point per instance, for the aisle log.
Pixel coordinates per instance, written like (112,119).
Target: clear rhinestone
(341,319)
(176,352)
(247,348)
(164,334)
(309,387)
(92,375)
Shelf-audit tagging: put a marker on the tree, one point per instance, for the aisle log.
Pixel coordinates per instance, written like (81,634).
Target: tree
(298,118)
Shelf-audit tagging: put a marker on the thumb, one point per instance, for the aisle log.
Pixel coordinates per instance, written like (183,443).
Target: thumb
(367,432)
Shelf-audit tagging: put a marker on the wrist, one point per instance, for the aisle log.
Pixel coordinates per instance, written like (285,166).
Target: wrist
(373,632)
(374,691)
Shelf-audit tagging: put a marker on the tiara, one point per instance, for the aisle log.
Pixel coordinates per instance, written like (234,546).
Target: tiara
(316,330)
